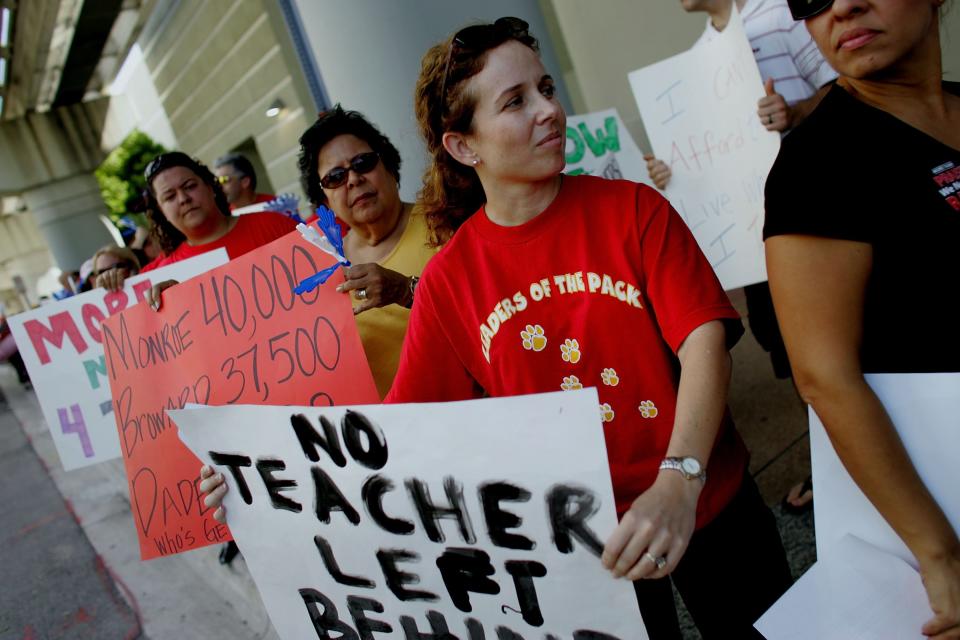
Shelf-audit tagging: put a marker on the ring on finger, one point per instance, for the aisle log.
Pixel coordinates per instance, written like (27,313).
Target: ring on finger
(659,561)
(361,294)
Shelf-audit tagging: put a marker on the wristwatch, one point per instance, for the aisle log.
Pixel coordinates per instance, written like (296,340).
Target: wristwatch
(689,466)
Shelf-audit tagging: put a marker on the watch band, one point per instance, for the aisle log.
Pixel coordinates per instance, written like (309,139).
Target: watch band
(688,466)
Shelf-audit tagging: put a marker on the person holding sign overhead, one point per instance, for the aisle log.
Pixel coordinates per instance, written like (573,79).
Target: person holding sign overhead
(857,272)
(550,282)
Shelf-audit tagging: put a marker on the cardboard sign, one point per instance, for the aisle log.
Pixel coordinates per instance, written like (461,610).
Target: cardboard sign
(700,112)
(235,335)
(478,519)
(61,346)
(599,144)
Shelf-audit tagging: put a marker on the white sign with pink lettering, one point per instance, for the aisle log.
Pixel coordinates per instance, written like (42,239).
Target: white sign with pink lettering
(60,344)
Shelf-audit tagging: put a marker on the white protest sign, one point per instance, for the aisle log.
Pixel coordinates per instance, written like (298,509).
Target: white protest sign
(599,144)
(855,591)
(700,112)
(61,346)
(479,519)
(924,409)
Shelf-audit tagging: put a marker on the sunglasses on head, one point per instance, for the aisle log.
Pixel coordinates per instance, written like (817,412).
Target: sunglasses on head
(166,161)
(359,164)
(480,37)
(803,9)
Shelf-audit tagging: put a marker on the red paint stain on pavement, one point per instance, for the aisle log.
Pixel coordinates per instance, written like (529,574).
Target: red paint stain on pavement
(80,617)
(41,522)
(29,633)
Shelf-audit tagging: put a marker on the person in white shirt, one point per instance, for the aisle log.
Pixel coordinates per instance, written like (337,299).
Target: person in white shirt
(794,73)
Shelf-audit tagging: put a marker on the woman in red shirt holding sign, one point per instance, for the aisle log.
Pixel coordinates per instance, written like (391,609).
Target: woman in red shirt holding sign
(550,282)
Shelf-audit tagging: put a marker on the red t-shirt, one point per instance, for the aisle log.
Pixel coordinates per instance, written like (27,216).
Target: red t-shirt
(598,290)
(252,231)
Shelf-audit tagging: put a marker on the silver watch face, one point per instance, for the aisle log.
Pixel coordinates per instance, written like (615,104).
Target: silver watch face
(690,466)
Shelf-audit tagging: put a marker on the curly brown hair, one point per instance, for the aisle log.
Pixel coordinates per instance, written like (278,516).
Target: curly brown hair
(167,235)
(452,191)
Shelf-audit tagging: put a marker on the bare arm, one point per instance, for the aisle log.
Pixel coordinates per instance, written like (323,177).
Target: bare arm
(818,288)
(661,520)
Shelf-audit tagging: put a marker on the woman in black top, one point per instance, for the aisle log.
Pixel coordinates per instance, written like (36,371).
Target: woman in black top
(862,227)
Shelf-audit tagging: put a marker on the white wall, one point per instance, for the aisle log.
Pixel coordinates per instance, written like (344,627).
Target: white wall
(135,104)
(368,53)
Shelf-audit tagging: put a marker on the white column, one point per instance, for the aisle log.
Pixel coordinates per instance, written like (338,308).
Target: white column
(70,214)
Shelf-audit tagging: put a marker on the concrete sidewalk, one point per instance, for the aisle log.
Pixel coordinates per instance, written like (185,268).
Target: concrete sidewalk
(186,596)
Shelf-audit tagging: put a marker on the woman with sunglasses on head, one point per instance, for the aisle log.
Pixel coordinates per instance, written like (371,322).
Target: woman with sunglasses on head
(190,214)
(550,282)
(348,165)
(857,268)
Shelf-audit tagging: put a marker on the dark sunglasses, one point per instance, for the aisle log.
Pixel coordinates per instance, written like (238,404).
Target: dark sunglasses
(481,37)
(359,164)
(118,265)
(803,9)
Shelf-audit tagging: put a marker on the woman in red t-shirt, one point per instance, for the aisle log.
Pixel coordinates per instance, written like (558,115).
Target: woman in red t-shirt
(577,281)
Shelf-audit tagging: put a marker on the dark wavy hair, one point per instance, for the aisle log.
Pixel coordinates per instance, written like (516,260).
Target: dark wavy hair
(451,191)
(329,125)
(167,235)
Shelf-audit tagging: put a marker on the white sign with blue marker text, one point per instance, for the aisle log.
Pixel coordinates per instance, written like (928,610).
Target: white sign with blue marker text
(700,112)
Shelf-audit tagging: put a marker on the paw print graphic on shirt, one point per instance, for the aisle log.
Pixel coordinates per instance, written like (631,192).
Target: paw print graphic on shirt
(570,351)
(533,338)
(609,377)
(648,409)
(606,412)
(571,383)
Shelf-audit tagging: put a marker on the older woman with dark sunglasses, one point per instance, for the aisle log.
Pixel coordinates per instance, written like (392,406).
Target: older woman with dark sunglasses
(347,164)
(861,254)
(550,282)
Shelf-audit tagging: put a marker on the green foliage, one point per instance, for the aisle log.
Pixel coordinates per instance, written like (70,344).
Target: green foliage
(121,174)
